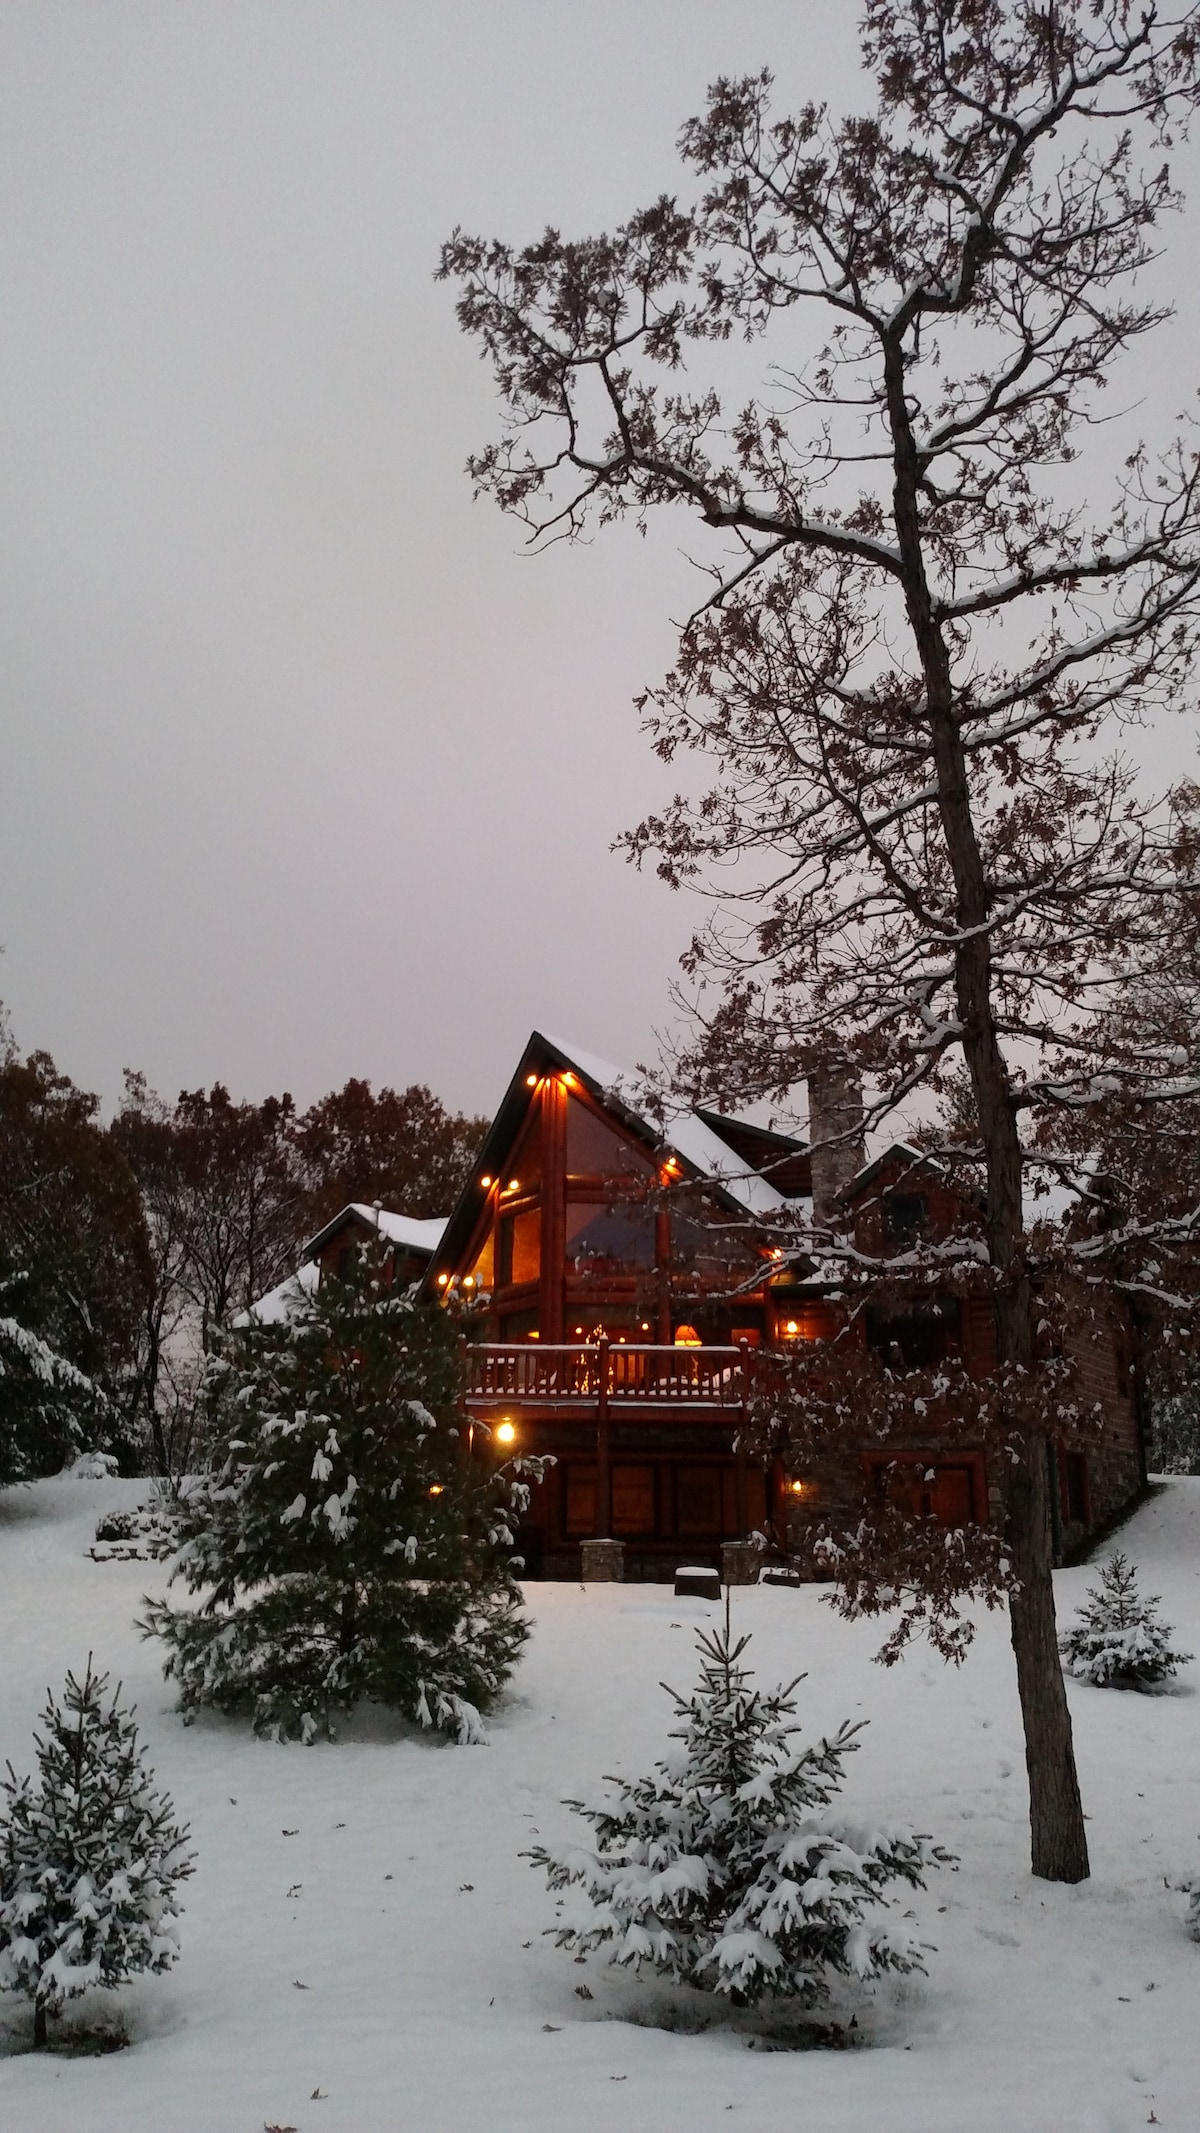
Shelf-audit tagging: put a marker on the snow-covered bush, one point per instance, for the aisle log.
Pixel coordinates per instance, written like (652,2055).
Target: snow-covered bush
(726,1868)
(90,1858)
(147,1532)
(91,1466)
(345,1546)
(1117,1640)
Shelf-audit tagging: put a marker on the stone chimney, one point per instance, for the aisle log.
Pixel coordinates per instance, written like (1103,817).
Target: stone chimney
(835,1133)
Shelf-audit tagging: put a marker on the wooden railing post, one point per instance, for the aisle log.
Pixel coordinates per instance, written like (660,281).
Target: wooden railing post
(740,1454)
(603,1466)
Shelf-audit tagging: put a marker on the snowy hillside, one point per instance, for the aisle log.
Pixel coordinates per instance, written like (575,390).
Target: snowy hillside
(361,1923)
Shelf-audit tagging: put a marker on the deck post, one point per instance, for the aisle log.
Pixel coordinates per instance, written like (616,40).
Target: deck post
(603,1466)
(740,1452)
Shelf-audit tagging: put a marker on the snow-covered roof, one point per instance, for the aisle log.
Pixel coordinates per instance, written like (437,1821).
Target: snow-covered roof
(279,1304)
(687,1134)
(414,1235)
(1046,1194)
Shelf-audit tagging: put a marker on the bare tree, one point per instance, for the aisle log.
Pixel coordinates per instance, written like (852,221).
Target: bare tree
(917,634)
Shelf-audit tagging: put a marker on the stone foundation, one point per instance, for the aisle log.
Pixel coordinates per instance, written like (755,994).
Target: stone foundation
(602,1562)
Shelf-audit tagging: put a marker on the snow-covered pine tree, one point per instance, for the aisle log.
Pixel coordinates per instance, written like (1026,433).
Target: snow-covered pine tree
(725,1867)
(346,1546)
(1117,1640)
(90,1858)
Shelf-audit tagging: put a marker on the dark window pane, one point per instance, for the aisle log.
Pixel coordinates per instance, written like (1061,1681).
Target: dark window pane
(596,1150)
(518,1325)
(603,1240)
(706,1243)
(916,1339)
(904,1217)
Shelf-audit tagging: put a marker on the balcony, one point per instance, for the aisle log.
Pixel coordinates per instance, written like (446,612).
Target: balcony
(605,1375)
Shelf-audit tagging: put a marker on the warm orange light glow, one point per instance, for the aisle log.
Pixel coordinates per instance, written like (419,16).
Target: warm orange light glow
(531,1081)
(645,1325)
(442,1280)
(791,1329)
(535,1336)
(506,1434)
(437,1489)
(776,1250)
(514,1184)
(485,1182)
(687,1337)
(806,1490)
(468,1281)
(568,1081)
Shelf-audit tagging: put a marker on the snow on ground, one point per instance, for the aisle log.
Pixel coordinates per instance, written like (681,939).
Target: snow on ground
(361,1922)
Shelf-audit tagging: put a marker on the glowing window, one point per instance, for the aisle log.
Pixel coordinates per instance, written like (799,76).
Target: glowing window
(520,1238)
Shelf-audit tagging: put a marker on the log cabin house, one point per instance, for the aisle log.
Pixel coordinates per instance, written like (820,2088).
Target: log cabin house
(617,1280)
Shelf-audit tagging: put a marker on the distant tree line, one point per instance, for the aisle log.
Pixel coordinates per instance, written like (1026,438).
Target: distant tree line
(123,1247)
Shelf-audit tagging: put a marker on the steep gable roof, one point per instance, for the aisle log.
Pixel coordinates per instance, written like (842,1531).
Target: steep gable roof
(706,1155)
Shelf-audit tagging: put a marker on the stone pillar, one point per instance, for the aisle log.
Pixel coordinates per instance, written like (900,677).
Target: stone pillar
(602,1562)
(835,1134)
(740,1563)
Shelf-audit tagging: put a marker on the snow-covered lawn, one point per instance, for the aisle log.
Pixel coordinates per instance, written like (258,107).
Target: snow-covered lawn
(362,1924)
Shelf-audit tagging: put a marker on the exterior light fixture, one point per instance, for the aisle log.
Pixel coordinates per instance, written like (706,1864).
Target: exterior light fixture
(443,1280)
(468,1281)
(687,1337)
(531,1081)
(485,1182)
(437,1489)
(514,1184)
(791,1329)
(506,1433)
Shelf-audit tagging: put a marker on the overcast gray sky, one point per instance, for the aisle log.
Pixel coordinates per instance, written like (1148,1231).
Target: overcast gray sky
(305,770)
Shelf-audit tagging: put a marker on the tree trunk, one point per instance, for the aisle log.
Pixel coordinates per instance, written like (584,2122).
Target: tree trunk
(39,2026)
(1058,1836)
(1059,1840)
(348,1629)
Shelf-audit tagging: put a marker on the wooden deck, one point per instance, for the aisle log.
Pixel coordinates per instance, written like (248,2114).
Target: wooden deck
(607,1375)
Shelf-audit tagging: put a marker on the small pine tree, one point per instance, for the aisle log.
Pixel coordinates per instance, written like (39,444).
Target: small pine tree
(725,1869)
(90,1860)
(1117,1640)
(346,1547)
